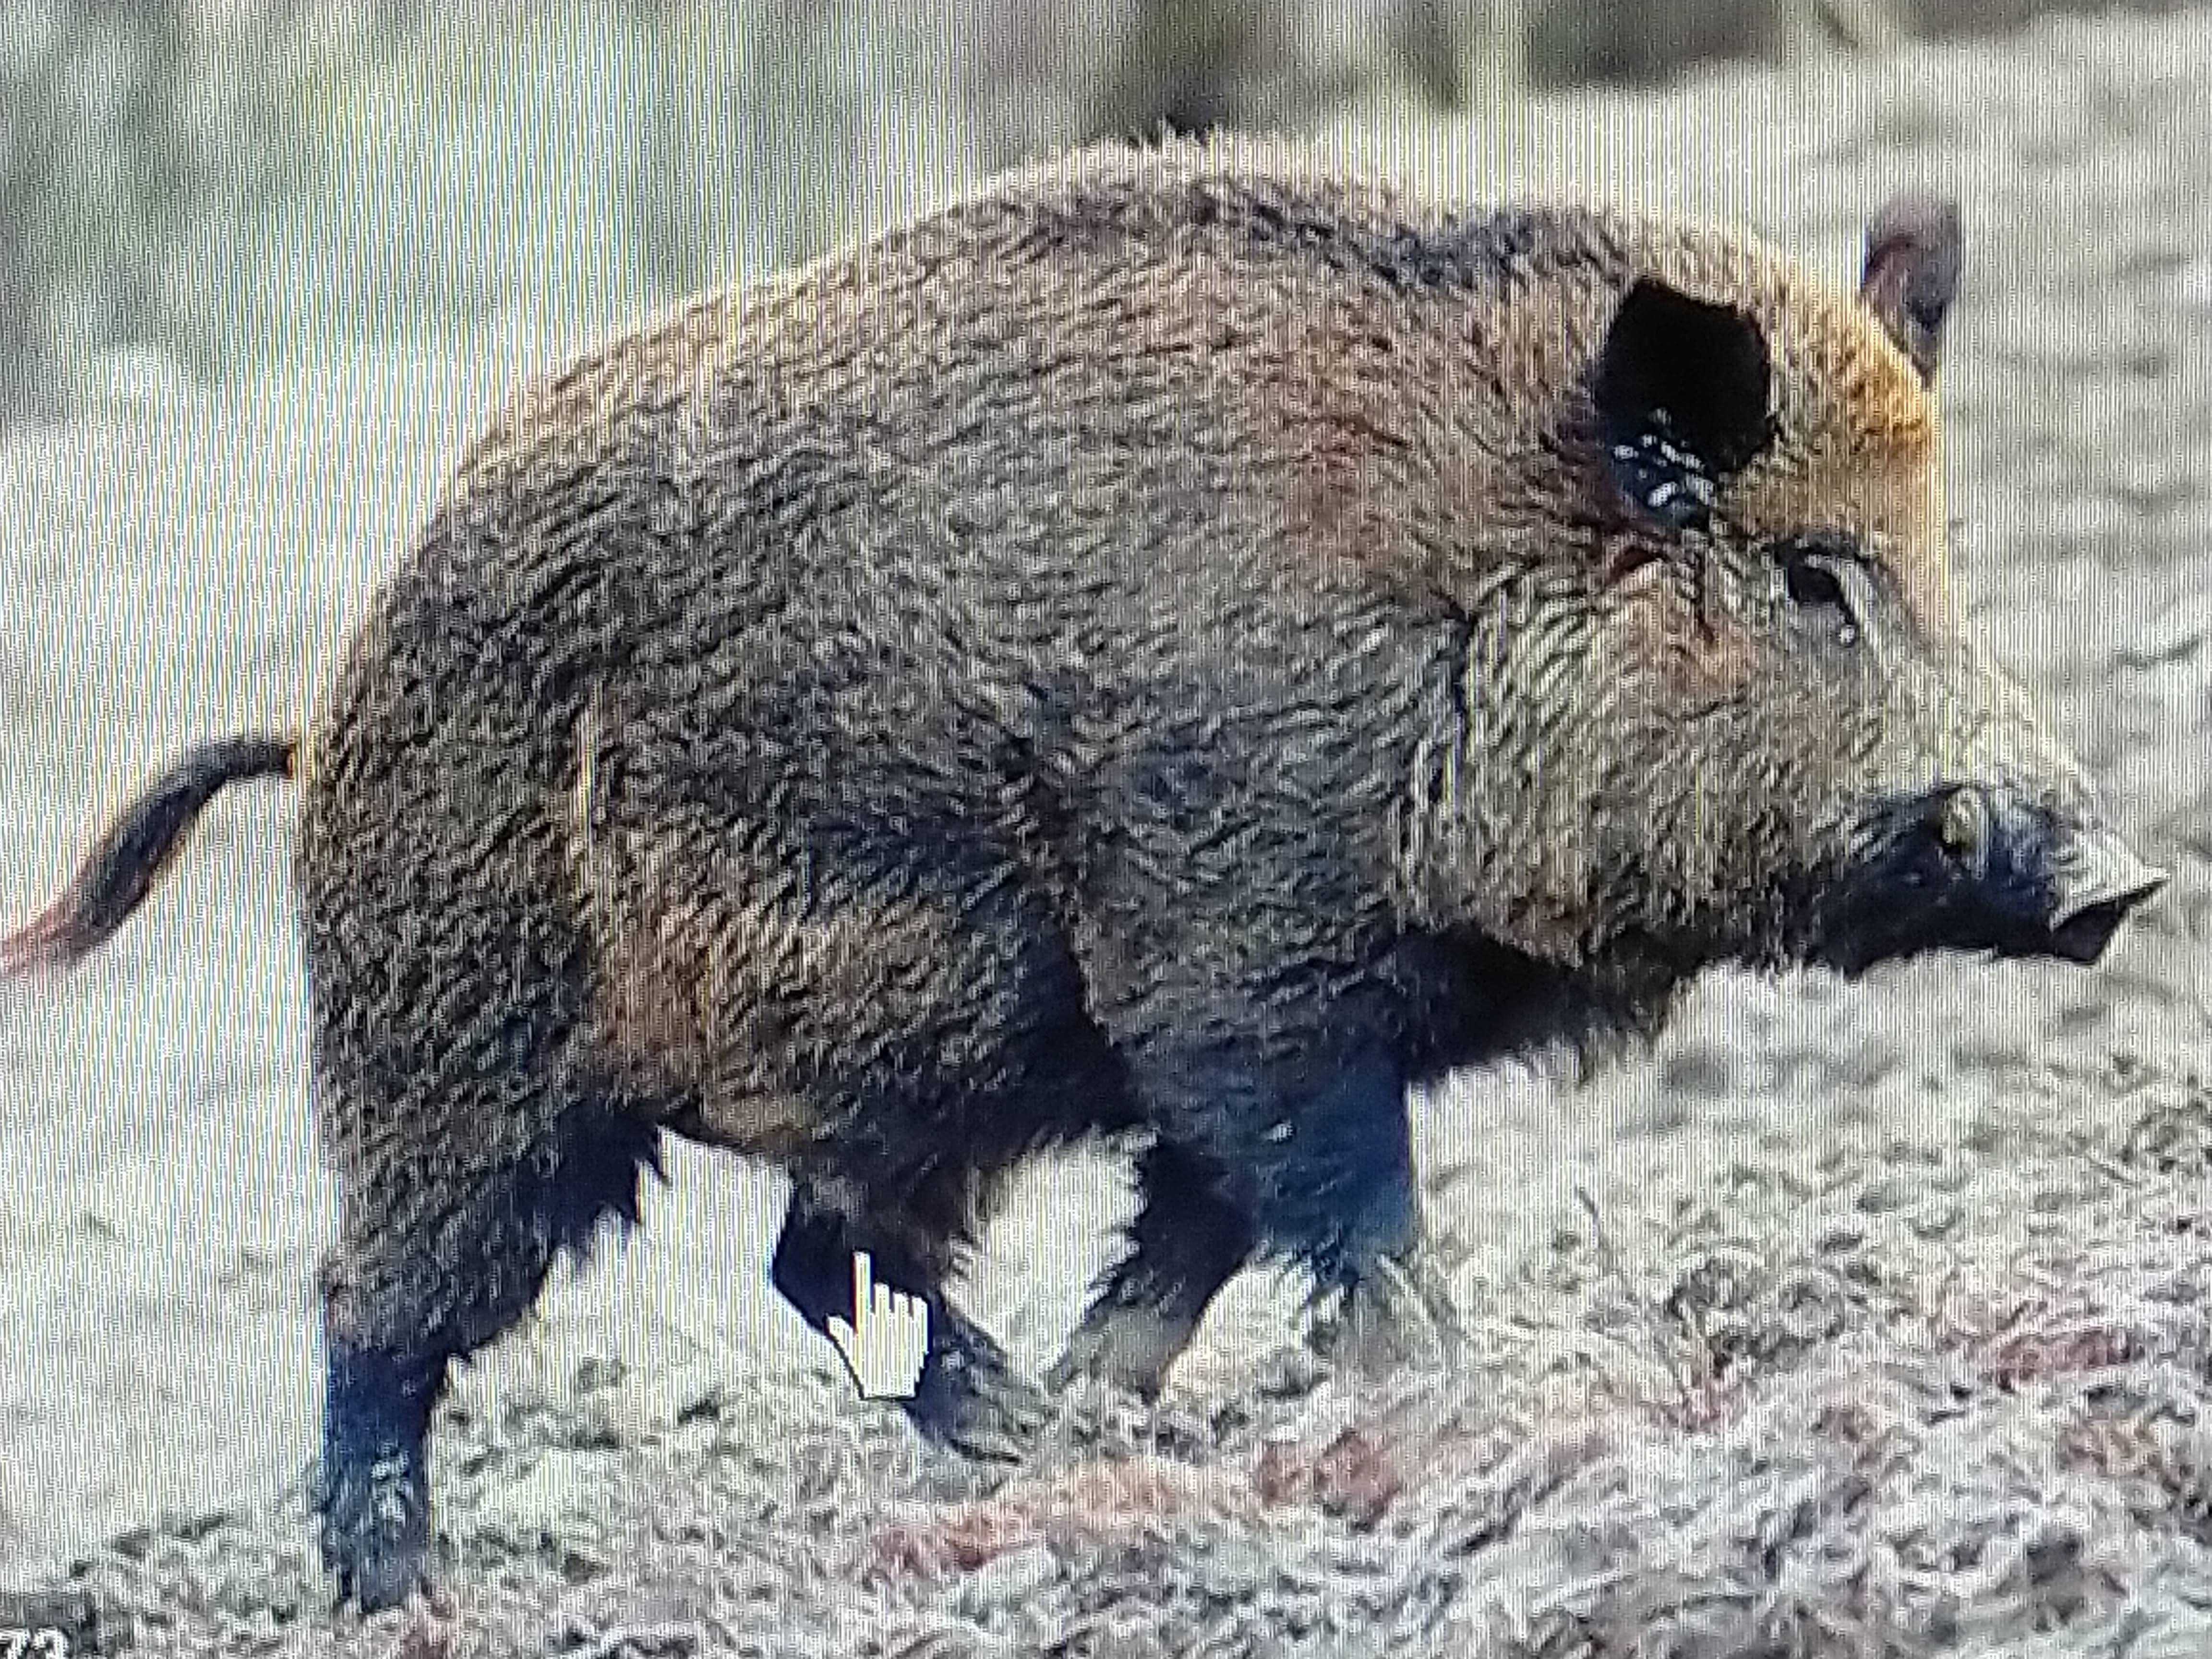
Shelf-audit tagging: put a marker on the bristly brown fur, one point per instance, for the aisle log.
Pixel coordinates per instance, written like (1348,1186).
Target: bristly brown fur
(1178,639)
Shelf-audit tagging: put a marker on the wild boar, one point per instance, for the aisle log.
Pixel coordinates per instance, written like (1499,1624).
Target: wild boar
(1179,641)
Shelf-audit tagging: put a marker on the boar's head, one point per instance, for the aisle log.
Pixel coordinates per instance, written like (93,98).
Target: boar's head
(1766,734)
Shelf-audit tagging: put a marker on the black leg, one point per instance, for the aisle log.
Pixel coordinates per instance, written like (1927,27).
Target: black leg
(373,1491)
(1185,1243)
(434,1263)
(1317,1148)
(968,1397)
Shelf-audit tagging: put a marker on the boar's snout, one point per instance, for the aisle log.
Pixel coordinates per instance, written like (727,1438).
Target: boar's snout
(2093,880)
(1982,868)
(2036,881)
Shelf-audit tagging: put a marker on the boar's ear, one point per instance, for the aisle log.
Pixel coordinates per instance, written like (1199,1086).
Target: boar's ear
(1915,246)
(1681,388)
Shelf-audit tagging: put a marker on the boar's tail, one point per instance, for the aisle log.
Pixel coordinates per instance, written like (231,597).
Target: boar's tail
(137,849)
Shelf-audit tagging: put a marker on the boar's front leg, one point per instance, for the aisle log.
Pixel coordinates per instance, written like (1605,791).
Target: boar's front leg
(1186,1242)
(1340,1198)
(1280,1100)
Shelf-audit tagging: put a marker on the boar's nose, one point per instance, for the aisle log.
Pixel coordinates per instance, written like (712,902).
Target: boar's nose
(2096,880)
(2066,884)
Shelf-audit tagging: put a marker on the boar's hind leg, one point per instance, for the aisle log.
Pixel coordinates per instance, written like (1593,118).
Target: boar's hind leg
(969,1397)
(1186,1242)
(442,1248)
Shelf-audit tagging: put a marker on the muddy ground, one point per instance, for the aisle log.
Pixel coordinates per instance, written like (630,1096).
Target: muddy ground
(1860,1322)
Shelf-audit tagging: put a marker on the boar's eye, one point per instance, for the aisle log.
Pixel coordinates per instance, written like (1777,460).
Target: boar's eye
(1822,584)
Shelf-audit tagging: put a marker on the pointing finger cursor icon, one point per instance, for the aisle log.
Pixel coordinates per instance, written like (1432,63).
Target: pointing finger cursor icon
(888,1339)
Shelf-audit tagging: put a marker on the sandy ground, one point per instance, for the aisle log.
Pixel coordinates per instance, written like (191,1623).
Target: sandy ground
(1863,1320)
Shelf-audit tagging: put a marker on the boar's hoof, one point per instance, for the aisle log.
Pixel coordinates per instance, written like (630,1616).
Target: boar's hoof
(969,1399)
(371,1487)
(1397,1316)
(1127,1346)
(375,1534)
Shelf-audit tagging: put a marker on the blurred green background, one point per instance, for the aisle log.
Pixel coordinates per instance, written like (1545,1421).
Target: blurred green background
(191,190)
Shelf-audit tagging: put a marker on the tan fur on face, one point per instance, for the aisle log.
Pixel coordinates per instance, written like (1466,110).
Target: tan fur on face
(1862,454)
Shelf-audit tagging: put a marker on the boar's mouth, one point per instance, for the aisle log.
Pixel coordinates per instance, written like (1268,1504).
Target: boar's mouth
(1974,869)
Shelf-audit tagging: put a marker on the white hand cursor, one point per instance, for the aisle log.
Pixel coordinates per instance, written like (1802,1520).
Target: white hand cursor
(888,1339)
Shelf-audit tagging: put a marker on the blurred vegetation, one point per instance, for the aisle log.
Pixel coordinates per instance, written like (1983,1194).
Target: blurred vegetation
(1189,66)
(196,188)
(94,184)
(1571,42)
